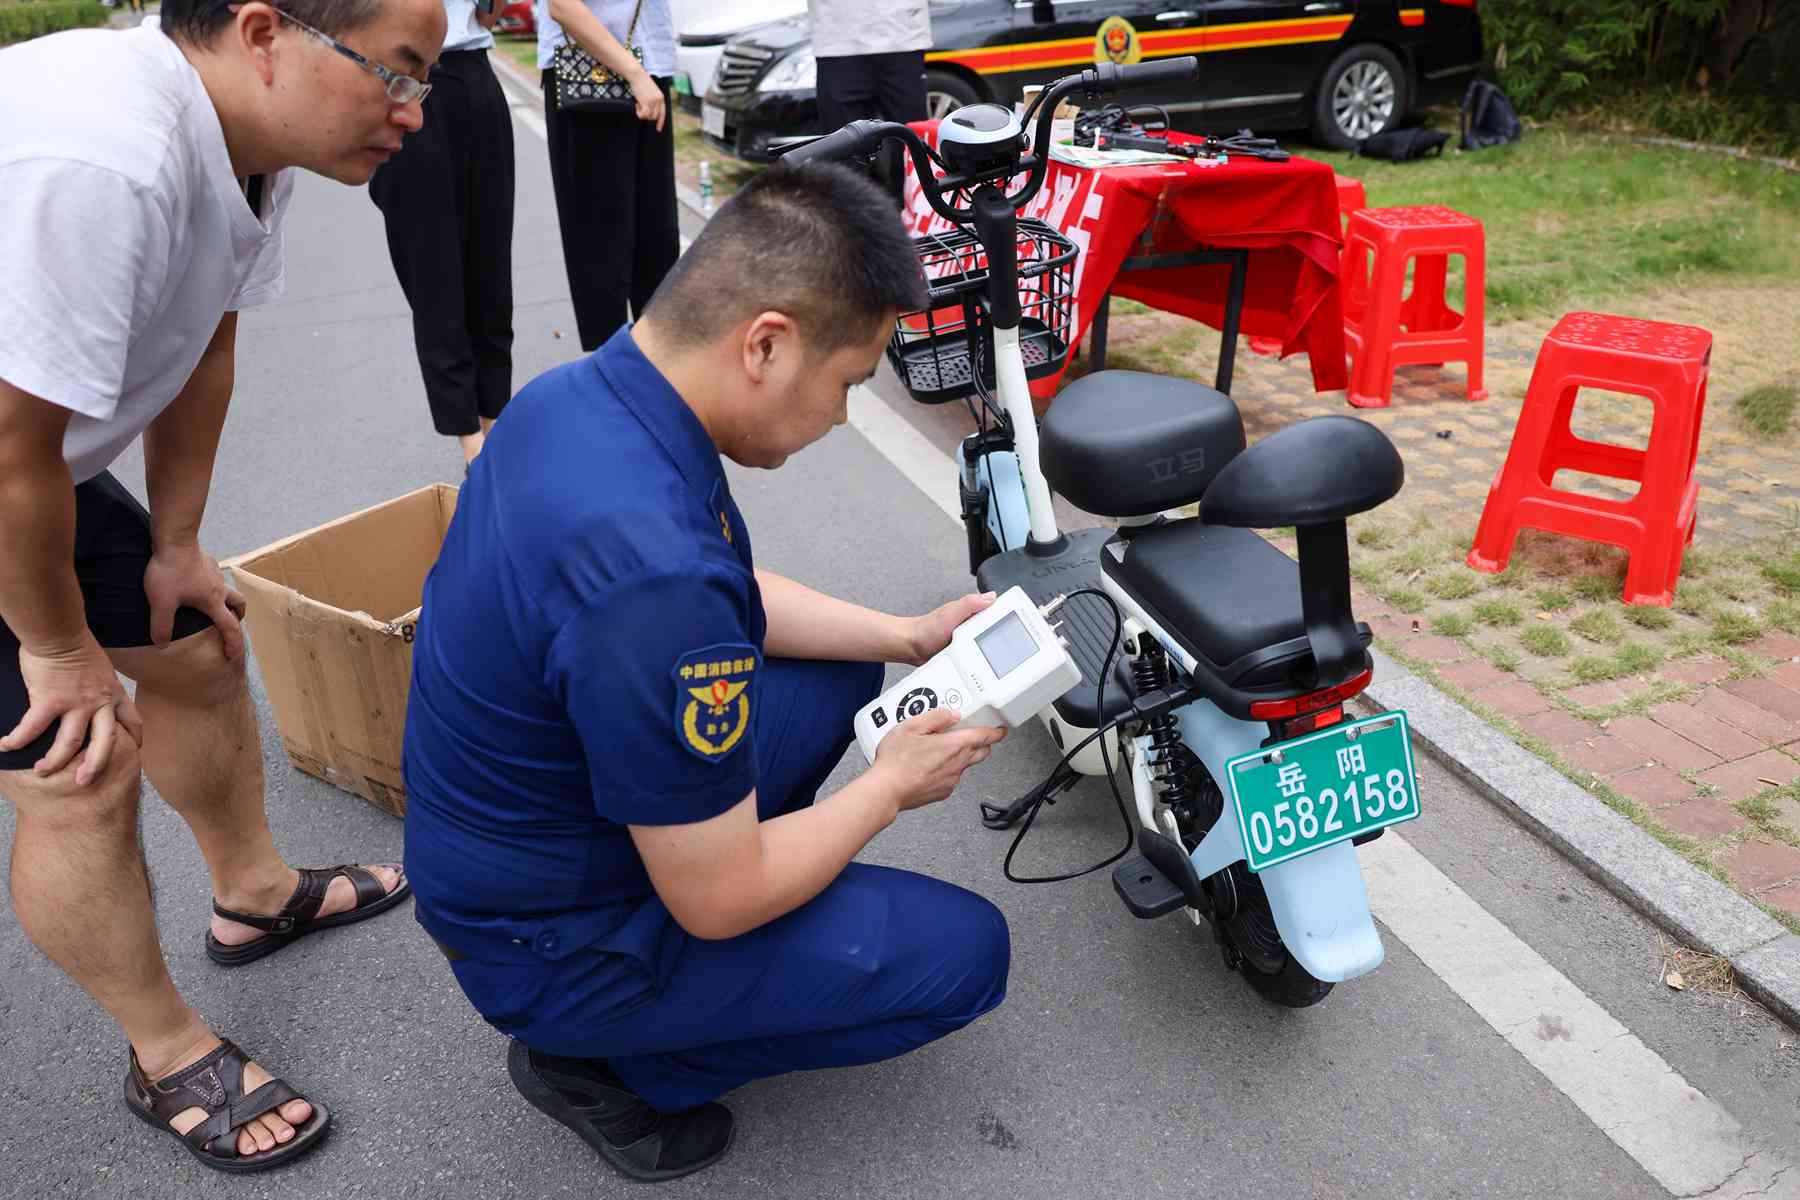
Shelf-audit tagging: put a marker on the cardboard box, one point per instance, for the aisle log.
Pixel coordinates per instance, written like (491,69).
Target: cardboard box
(332,614)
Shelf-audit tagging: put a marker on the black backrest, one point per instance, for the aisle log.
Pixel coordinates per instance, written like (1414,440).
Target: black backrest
(1317,470)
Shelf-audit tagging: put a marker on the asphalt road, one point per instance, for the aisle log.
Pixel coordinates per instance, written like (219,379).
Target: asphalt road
(1125,1060)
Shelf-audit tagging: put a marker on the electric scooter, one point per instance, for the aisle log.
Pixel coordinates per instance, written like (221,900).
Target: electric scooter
(1251,789)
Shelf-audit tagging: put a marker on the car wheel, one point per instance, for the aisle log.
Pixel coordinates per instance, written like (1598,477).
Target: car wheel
(945,93)
(1361,94)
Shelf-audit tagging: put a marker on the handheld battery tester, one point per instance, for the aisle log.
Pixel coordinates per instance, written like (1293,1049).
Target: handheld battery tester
(1002,665)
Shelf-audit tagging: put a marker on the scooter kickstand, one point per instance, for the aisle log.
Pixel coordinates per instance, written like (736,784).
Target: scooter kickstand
(1061,780)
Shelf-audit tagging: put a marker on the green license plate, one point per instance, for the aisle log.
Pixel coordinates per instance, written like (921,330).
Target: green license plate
(681,84)
(1300,796)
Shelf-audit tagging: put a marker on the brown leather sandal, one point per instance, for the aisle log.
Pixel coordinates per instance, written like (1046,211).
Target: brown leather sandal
(216,1084)
(298,918)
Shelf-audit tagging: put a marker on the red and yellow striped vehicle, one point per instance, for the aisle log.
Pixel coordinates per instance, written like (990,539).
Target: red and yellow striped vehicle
(1345,69)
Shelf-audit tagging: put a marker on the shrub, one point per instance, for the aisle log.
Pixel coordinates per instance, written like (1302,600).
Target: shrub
(20,22)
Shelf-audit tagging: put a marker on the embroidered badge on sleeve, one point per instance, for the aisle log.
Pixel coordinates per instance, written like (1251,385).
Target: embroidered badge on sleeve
(712,698)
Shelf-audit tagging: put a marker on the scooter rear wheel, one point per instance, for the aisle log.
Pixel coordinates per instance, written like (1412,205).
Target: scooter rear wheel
(1254,946)
(1262,958)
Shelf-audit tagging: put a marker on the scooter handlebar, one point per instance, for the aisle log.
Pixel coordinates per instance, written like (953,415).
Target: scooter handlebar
(858,139)
(1150,74)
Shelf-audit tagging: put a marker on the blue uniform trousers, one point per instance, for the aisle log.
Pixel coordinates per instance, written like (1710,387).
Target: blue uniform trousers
(879,963)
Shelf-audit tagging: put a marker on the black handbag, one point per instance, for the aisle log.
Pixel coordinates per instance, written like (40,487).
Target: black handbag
(586,85)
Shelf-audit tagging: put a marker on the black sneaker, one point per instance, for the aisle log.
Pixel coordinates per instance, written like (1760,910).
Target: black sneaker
(645,1145)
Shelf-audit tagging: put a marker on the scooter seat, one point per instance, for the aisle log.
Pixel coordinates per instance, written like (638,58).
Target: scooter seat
(1131,444)
(1223,593)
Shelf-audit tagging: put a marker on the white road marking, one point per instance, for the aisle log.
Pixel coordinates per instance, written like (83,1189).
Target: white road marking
(1685,1141)
(929,469)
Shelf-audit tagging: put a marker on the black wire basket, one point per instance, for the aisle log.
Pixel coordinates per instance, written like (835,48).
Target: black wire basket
(945,351)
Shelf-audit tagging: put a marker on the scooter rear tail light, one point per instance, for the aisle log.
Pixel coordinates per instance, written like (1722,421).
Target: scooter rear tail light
(1294,706)
(1310,722)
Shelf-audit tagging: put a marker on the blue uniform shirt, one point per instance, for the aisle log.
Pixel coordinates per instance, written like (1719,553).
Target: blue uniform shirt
(587,659)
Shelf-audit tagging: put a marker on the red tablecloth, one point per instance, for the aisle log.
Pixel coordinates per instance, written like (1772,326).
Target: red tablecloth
(1285,214)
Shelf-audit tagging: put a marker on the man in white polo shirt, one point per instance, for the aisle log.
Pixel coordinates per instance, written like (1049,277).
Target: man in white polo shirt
(144,176)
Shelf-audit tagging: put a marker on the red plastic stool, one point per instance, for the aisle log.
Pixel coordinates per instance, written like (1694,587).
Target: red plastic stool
(1350,199)
(1386,328)
(1667,364)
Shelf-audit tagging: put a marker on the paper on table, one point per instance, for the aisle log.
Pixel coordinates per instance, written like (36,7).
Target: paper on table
(1087,156)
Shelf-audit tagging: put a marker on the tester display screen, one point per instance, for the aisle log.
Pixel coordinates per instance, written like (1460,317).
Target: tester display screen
(1006,645)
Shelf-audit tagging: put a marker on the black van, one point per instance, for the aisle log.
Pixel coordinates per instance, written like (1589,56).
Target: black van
(1345,69)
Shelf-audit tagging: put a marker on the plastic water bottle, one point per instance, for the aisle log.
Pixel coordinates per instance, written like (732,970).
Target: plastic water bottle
(706,201)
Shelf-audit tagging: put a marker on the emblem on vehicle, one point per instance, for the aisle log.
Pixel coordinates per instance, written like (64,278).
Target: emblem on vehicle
(1117,41)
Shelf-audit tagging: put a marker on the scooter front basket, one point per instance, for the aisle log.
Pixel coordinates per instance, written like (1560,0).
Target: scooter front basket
(945,351)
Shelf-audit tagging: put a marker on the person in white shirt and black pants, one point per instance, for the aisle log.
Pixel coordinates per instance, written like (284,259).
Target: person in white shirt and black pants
(871,56)
(614,172)
(447,197)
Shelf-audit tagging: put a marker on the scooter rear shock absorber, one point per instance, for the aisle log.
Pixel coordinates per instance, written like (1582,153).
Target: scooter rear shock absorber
(1150,671)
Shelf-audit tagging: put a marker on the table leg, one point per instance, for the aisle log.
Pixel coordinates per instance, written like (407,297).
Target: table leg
(1097,334)
(1234,307)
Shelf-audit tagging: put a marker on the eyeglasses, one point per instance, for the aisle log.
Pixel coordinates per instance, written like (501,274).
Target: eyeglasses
(401,89)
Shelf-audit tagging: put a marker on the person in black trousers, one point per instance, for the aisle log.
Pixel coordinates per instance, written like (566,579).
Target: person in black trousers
(447,197)
(614,172)
(871,56)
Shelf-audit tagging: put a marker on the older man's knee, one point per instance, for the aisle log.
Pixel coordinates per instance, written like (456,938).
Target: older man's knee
(193,670)
(107,804)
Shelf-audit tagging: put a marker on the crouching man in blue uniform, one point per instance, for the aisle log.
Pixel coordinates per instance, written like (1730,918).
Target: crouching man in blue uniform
(618,725)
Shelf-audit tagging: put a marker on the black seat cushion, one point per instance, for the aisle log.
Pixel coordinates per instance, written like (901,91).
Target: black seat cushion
(1224,592)
(1129,444)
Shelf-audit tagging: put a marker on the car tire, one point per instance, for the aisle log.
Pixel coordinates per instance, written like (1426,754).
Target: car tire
(945,93)
(1362,93)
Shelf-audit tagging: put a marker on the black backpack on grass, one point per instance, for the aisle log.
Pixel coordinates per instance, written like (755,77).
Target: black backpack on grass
(1399,145)
(1488,117)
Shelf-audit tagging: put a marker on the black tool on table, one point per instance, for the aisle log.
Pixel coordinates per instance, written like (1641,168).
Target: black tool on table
(1242,144)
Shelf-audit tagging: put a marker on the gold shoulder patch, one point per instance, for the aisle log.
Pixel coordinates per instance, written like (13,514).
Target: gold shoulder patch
(712,698)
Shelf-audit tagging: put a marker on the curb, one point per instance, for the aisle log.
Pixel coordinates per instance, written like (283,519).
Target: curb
(1699,910)
(1673,893)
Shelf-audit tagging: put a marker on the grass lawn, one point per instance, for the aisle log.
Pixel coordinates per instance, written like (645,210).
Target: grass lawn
(1575,218)
(691,149)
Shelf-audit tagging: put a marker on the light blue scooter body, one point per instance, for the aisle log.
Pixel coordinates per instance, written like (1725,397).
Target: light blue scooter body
(1321,908)
(1008,520)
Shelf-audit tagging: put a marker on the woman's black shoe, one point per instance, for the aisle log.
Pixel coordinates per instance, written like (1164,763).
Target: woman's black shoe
(645,1145)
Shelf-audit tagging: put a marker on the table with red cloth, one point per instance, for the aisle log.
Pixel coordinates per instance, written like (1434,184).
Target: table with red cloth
(1285,215)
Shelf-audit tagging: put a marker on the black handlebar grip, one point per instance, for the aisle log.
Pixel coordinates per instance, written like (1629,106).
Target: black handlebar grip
(1169,70)
(858,139)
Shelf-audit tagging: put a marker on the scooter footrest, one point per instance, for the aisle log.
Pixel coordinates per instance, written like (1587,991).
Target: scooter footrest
(1145,890)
